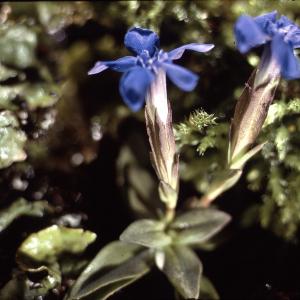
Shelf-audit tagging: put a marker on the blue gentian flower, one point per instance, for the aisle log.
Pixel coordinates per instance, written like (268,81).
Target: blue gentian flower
(280,36)
(141,70)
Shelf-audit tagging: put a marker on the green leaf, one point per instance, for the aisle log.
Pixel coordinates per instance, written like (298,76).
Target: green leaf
(22,207)
(116,265)
(17,45)
(240,160)
(198,225)
(208,291)
(223,181)
(142,192)
(12,140)
(72,266)
(48,244)
(146,232)
(184,270)
(108,257)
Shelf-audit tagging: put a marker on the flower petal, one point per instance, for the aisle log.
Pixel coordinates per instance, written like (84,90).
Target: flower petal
(138,39)
(284,54)
(293,37)
(283,21)
(292,31)
(97,68)
(122,64)
(264,21)
(296,40)
(134,85)
(248,34)
(177,53)
(183,78)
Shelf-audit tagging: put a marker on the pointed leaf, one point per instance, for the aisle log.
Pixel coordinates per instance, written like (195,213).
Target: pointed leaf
(208,291)
(239,162)
(223,181)
(184,270)
(142,193)
(198,225)
(112,255)
(199,216)
(22,207)
(116,265)
(146,232)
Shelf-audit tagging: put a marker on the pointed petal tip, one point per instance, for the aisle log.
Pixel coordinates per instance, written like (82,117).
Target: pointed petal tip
(209,47)
(198,47)
(192,86)
(91,72)
(98,67)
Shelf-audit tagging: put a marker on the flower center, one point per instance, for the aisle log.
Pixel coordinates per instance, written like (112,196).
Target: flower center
(152,62)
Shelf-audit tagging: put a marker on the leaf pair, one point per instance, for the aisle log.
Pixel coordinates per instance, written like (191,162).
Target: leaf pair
(121,263)
(190,228)
(173,255)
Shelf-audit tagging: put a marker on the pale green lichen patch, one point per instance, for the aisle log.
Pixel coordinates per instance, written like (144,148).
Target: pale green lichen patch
(12,140)
(49,244)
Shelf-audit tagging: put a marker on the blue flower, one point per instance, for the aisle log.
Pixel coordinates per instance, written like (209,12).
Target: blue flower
(140,70)
(281,35)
